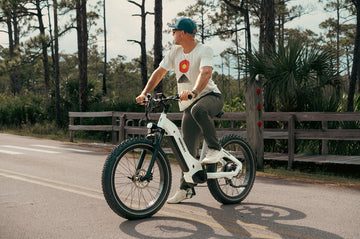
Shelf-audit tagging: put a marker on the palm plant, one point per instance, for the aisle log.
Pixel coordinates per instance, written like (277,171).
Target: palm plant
(297,78)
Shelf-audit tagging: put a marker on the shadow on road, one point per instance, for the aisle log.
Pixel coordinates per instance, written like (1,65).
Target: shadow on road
(166,227)
(246,220)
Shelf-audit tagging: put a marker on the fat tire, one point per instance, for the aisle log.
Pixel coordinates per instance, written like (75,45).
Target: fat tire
(250,167)
(108,177)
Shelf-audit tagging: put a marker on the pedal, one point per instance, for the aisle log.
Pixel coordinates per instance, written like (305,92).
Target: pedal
(190,192)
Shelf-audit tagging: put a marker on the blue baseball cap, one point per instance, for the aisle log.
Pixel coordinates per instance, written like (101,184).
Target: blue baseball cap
(186,25)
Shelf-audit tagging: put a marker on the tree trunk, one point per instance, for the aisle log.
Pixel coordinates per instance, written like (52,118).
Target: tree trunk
(43,46)
(56,64)
(237,55)
(82,39)
(104,90)
(269,41)
(355,71)
(14,40)
(142,43)
(247,26)
(262,27)
(269,17)
(144,75)
(158,40)
(281,22)
(338,37)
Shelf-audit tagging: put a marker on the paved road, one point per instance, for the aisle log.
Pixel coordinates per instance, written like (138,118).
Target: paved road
(51,189)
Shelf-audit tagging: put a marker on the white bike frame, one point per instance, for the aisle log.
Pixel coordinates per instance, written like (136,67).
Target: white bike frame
(192,163)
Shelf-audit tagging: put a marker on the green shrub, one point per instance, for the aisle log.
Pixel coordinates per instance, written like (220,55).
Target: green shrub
(19,110)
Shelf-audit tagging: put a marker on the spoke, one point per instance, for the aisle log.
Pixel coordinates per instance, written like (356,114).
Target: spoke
(132,196)
(126,197)
(151,195)
(139,196)
(143,196)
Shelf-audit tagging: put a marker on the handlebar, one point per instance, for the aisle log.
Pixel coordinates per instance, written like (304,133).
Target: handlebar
(161,98)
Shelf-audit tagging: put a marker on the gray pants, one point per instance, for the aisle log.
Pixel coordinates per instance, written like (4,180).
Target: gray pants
(196,121)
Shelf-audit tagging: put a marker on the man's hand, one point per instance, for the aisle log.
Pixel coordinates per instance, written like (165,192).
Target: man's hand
(140,98)
(184,95)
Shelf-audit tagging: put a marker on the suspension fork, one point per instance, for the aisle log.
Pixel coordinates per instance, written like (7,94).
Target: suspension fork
(158,140)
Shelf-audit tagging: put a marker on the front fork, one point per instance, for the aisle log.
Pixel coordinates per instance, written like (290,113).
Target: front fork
(158,139)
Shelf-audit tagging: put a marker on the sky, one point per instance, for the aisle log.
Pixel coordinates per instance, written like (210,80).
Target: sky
(122,26)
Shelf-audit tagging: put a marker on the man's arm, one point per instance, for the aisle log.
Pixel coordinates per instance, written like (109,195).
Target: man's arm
(203,78)
(154,80)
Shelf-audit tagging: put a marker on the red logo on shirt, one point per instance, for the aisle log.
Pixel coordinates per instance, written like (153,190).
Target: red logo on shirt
(184,66)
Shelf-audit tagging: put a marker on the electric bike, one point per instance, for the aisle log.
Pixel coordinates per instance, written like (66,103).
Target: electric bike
(136,177)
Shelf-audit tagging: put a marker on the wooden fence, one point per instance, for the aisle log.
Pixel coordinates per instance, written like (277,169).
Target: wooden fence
(130,123)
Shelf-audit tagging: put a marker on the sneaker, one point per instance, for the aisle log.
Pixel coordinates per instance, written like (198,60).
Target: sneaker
(181,195)
(213,156)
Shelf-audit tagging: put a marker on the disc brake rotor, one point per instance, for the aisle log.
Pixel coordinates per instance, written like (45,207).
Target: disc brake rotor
(137,179)
(231,167)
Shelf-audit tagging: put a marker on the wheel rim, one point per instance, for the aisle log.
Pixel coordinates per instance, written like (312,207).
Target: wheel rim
(129,188)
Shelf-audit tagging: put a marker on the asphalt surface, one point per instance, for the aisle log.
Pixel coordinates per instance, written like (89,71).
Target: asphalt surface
(52,189)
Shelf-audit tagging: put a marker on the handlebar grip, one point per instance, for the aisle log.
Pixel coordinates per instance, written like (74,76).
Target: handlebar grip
(189,97)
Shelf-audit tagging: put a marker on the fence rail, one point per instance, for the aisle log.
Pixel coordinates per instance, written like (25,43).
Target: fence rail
(131,123)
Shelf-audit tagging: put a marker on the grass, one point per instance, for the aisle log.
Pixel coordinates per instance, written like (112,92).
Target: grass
(46,131)
(318,176)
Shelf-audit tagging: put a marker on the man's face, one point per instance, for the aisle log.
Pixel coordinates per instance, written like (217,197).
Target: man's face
(177,34)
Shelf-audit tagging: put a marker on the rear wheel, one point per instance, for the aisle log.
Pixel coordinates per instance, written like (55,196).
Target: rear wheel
(234,190)
(124,187)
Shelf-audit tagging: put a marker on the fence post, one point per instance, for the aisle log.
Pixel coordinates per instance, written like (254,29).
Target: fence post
(324,142)
(122,128)
(233,124)
(71,122)
(114,124)
(291,140)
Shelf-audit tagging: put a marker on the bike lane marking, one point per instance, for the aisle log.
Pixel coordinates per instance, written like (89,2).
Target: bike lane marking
(46,182)
(62,148)
(10,152)
(29,149)
(204,216)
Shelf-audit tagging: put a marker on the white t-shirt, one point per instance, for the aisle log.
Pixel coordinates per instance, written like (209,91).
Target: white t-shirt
(187,69)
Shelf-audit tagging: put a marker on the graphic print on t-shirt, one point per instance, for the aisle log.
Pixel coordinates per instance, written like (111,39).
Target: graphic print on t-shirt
(184,66)
(183,79)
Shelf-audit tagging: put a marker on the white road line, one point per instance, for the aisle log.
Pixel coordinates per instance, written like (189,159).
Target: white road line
(10,152)
(63,148)
(52,186)
(49,180)
(29,149)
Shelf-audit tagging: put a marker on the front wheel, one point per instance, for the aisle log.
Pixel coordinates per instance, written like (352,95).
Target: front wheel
(234,190)
(124,187)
